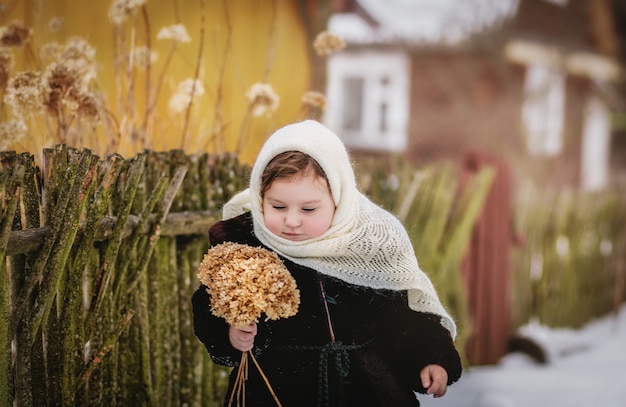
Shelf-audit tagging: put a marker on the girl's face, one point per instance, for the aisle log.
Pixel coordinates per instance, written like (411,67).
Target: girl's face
(298,208)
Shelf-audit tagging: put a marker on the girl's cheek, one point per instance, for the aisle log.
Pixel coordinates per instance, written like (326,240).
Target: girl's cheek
(272,223)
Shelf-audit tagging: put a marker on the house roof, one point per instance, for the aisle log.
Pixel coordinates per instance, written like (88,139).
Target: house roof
(418,22)
(567,26)
(564,33)
(573,34)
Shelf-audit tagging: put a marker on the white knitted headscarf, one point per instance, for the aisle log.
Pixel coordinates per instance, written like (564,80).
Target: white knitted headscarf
(365,245)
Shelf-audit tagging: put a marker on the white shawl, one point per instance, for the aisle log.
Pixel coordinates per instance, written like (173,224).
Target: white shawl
(365,245)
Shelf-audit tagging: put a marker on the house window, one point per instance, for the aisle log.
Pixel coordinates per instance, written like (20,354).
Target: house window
(383,128)
(595,145)
(352,103)
(543,110)
(368,99)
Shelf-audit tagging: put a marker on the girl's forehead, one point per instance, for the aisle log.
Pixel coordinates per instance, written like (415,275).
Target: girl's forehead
(308,175)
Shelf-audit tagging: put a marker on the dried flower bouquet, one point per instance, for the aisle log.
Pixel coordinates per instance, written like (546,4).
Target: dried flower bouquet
(245,282)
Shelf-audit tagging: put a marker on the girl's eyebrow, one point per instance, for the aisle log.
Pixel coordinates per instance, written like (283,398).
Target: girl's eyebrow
(312,201)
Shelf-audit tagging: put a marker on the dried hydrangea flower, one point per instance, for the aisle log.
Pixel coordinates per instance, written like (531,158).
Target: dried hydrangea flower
(121,9)
(245,282)
(25,92)
(326,43)
(15,35)
(262,98)
(10,132)
(183,97)
(176,32)
(314,99)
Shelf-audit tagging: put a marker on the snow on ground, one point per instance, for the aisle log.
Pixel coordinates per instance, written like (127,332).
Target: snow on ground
(586,367)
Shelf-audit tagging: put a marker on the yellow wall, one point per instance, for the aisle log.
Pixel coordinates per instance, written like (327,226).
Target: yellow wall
(263,32)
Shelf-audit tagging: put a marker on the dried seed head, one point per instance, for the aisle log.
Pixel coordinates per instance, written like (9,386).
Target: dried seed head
(58,81)
(50,52)
(176,32)
(326,43)
(314,99)
(84,105)
(15,34)
(80,57)
(143,57)
(121,9)
(262,99)
(188,90)
(11,132)
(24,93)
(56,24)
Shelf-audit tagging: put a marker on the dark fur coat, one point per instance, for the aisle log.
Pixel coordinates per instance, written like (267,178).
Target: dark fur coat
(381,345)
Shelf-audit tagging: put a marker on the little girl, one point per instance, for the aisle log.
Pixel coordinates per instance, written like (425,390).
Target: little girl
(370,329)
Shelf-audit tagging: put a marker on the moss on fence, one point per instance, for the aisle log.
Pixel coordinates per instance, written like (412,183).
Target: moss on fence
(99,265)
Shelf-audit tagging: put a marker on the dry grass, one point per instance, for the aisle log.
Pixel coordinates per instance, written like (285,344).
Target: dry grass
(54,93)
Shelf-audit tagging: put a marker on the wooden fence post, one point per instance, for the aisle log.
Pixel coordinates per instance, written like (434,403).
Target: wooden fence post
(11,176)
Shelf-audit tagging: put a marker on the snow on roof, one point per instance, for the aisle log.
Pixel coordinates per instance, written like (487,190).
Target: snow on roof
(420,21)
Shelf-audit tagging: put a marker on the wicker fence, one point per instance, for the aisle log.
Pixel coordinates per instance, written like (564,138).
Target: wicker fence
(572,265)
(99,259)
(99,264)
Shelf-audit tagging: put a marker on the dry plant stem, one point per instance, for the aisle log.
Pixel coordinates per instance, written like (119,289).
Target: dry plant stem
(239,388)
(115,133)
(245,377)
(239,380)
(244,131)
(118,68)
(265,379)
(160,81)
(32,55)
(195,77)
(62,125)
(130,92)
(218,118)
(144,13)
(271,51)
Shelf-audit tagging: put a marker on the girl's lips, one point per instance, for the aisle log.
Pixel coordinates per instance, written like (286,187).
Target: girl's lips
(292,236)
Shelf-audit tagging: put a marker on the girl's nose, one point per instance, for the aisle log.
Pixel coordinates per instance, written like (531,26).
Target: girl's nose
(292,219)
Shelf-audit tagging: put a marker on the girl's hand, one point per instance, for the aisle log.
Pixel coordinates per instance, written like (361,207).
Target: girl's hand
(435,380)
(242,338)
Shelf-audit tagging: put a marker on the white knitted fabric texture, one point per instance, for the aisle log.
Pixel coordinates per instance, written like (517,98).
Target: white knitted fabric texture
(365,244)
